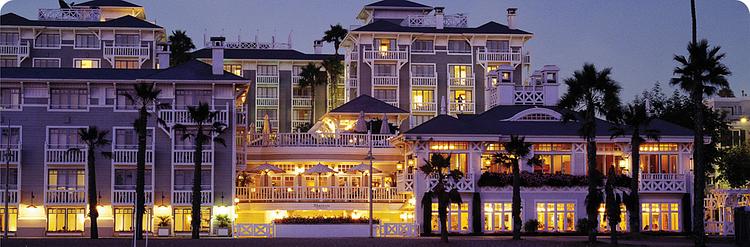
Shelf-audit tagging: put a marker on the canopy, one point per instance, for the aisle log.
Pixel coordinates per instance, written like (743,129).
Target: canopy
(361,125)
(385,128)
(319,169)
(266,168)
(362,168)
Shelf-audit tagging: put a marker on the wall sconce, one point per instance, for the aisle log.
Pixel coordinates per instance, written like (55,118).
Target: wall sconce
(161,204)
(31,205)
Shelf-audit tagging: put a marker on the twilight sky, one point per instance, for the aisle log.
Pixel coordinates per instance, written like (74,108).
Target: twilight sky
(637,38)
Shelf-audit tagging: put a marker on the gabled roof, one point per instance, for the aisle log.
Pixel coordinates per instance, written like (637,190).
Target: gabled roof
(107,3)
(193,70)
(389,26)
(367,104)
(441,124)
(399,4)
(262,54)
(11,19)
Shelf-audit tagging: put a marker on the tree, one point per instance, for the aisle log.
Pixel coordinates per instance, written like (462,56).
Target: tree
(592,92)
(516,149)
(612,204)
(438,168)
(335,70)
(694,22)
(310,76)
(181,45)
(94,139)
(699,74)
(335,35)
(734,166)
(206,130)
(635,120)
(145,97)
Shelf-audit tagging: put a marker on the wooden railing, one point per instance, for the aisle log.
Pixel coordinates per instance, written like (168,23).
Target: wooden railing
(386,55)
(465,184)
(12,156)
(461,82)
(241,230)
(13,196)
(318,194)
(182,197)
(66,155)
(267,101)
(21,49)
(175,116)
(301,102)
(424,107)
(65,197)
(354,55)
(662,182)
(274,124)
(396,230)
(319,140)
(187,157)
(424,81)
(70,14)
(405,181)
(128,197)
(267,79)
(385,81)
(130,156)
(462,107)
(487,56)
(129,51)
(295,79)
(353,82)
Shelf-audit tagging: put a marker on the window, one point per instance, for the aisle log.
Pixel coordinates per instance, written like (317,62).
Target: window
(125,179)
(489,165)
(8,62)
(498,46)
(183,216)
(556,216)
(46,63)
(458,46)
(128,139)
(69,98)
(268,70)
(12,219)
(423,46)
(66,179)
(385,95)
(272,114)
(9,38)
(183,179)
(86,41)
(12,179)
(296,70)
(127,40)
(385,44)
(126,64)
(185,97)
(300,92)
(63,138)
(419,119)
(460,71)
(385,70)
(86,63)
(14,134)
(423,70)
(458,218)
(10,98)
(498,217)
(449,146)
(65,219)
(604,223)
(422,96)
(733,138)
(47,40)
(189,143)
(658,147)
(660,216)
(233,68)
(301,114)
(606,162)
(267,92)
(122,102)
(552,147)
(554,164)
(656,163)
(124,220)
(460,96)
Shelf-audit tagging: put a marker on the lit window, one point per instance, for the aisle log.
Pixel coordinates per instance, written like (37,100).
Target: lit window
(498,217)
(65,219)
(660,216)
(234,69)
(458,218)
(556,216)
(554,164)
(183,217)
(124,220)
(449,146)
(86,63)
(604,223)
(12,219)
(126,64)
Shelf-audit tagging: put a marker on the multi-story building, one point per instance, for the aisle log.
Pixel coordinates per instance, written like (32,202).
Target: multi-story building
(737,110)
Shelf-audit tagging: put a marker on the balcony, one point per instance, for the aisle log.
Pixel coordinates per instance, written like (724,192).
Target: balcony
(465,184)
(527,95)
(354,55)
(401,56)
(458,20)
(424,107)
(12,155)
(353,82)
(295,79)
(187,157)
(319,194)
(13,196)
(296,124)
(126,51)
(391,81)
(484,56)
(405,181)
(70,14)
(301,102)
(267,79)
(461,82)
(418,81)
(393,102)
(267,102)
(176,116)
(128,197)
(183,197)
(274,124)
(129,156)
(21,49)
(74,155)
(65,197)
(319,140)
(467,107)
(662,183)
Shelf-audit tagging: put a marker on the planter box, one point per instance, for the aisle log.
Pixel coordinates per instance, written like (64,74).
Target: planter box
(222,232)
(322,231)
(163,232)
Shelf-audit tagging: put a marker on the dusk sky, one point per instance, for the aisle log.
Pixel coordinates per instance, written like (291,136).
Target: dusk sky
(637,38)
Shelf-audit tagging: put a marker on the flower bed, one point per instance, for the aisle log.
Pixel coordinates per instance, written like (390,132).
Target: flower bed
(528,179)
(323,221)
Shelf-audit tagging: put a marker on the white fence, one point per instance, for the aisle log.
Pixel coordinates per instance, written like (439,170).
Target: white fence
(385,81)
(15,50)
(424,81)
(130,156)
(386,55)
(319,140)
(12,156)
(183,117)
(487,56)
(128,197)
(244,230)
(13,196)
(70,14)
(397,230)
(662,182)
(254,230)
(186,197)
(465,184)
(318,193)
(187,157)
(263,79)
(66,155)
(61,197)
(129,51)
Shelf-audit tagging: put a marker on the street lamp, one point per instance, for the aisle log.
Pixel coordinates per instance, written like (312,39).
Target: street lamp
(369,184)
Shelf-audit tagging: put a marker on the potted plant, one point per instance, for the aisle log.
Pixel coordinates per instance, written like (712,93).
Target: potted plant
(163,226)
(222,225)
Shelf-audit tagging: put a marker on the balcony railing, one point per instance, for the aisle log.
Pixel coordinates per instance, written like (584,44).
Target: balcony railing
(461,82)
(354,55)
(274,124)
(296,124)
(128,197)
(187,157)
(127,51)
(66,155)
(130,156)
(319,140)
(662,182)
(424,107)
(295,79)
(405,181)
(267,79)
(301,102)
(61,197)
(489,56)
(465,184)
(13,196)
(12,156)
(371,55)
(181,197)
(21,49)
(267,101)
(467,106)
(392,102)
(528,95)
(318,194)
(353,82)
(70,14)
(423,81)
(175,116)
(385,81)
(431,21)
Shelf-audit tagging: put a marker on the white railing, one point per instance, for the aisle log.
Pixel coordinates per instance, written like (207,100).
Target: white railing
(353,82)
(296,124)
(274,124)
(467,106)
(423,81)
(128,197)
(130,156)
(71,14)
(354,55)
(127,51)
(528,95)
(662,182)
(465,184)
(295,79)
(13,196)
(267,79)
(385,81)
(68,155)
(405,181)
(252,45)
(318,194)
(266,101)
(397,230)
(22,49)
(424,107)
(301,102)
(187,157)
(319,140)
(431,21)
(386,55)
(175,116)
(461,82)
(488,56)
(254,230)
(391,102)
(65,197)
(12,156)
(240,117)
(185,197)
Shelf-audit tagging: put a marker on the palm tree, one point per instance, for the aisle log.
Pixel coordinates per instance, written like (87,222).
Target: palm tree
(206,130)
(517,148)
(334,69)
(145,97)
(181,44)
(700,74)
(438,167)
(310,76)
(94,139)
(335,35)
(636,120)
(612,205)
(592,92)
(694,21)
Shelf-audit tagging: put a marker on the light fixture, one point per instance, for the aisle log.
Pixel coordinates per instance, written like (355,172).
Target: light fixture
(161,204)
(31,205)
(743,120)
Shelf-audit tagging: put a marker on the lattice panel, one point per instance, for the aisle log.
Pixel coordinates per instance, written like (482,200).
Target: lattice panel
(254,230)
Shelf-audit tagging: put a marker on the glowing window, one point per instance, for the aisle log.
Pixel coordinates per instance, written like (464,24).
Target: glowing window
(556,216)
(86,63)
(183,217)
(498,217)
(124,220)
(660,217)
(65,219)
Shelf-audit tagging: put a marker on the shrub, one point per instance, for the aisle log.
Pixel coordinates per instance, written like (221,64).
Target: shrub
(582,226)
(163,221)
(223,221)
(531,226)
(323,220)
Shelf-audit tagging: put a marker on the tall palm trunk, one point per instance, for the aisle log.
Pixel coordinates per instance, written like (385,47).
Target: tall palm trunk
(635,154)
(93,213)
(516,201)
(593,175)
(443,216)
(140,180)
(695,21)
(699,169)
(312,103)
(195,224)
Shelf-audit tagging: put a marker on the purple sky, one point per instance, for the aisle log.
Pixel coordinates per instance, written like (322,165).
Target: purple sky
(637,38)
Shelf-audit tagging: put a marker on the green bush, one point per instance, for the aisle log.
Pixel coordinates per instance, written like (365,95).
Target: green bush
(223,221)
(582,226)
(163,221)
(531,226)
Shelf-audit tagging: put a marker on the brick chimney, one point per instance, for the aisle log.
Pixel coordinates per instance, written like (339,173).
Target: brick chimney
(318,46)
(512,17)
(217,55)
(439,18)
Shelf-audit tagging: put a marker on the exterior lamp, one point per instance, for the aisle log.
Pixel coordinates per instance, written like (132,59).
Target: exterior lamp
(31,205)
(743,120)
(161,204)
(399,165)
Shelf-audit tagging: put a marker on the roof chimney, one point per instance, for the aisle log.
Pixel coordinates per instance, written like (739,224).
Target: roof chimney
(318,46)
(217,55)
(439,18)
(511,18)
